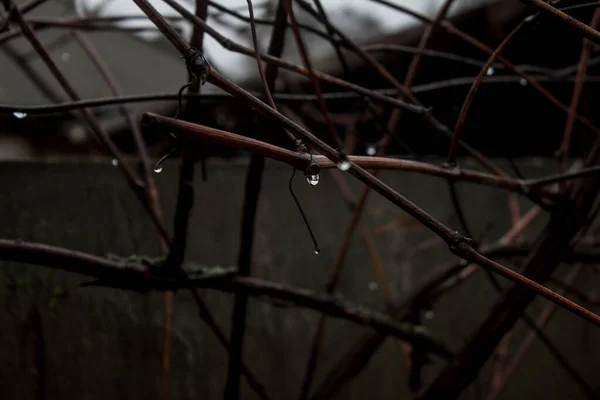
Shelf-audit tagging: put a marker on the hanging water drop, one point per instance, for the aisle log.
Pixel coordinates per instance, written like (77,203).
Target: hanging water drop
(317,250)
(371,150)
(490,71)
(158,168)
(114,162)
(523,82)
(313,180)
(19,115)
(344,165)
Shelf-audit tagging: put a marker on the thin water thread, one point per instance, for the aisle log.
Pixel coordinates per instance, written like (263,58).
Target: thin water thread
(159,163)
(312,236)
(193,58)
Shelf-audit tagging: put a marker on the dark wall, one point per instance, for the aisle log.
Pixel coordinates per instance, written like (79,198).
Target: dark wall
(60,340)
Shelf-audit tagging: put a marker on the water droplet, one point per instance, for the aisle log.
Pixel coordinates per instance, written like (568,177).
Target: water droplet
(523,82)
(114,162)
(19,115)
(429,314)
(65,56)
(313,179)
(371,150)
(344,165)
(158,168)
(373,286)
(77,134)
(490,71)
(317,250)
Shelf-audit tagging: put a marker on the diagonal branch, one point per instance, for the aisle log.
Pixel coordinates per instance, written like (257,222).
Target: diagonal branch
(564,224)
(589,32)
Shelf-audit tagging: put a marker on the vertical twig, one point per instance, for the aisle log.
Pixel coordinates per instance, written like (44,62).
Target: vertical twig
(314,83)
(251,197)
(183,208)
(197,40)
(238,317)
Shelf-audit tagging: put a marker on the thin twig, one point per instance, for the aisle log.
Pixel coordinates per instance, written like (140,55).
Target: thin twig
(279,97)
(302,160)
(251,197)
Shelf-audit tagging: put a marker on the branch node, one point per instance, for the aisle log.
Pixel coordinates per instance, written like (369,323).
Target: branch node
(196,64)
(460,244)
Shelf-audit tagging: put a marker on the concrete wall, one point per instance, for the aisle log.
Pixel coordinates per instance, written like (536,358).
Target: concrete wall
(59,340)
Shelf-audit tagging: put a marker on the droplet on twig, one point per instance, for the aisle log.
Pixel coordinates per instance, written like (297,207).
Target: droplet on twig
(371,150)
(313,180)
(158,168)
(344,165)
(490,71)
(114,162)
(19,115)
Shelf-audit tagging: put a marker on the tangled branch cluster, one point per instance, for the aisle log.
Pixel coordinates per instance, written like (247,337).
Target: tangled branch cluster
(568,197)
